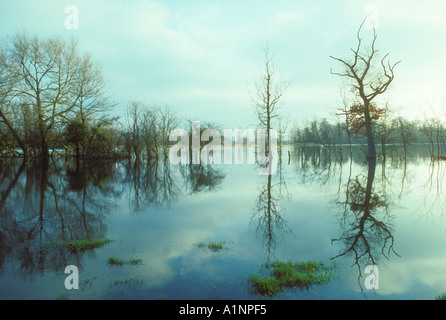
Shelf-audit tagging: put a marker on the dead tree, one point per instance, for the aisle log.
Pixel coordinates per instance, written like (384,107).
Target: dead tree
(366,82)
(269,92)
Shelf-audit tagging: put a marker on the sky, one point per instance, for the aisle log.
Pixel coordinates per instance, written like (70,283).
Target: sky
(203,59)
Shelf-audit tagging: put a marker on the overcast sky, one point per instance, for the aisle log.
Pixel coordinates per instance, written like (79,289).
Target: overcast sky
(203,58)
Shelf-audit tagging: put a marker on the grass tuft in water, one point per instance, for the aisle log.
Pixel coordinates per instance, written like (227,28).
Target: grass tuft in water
(81,245)
(115,261)
(288,275)
(119,262)
(135,261)
(129,282)
(214,246)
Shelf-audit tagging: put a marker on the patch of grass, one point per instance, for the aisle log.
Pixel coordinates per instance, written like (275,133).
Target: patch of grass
(288,275)
(119,262)
(214,246)
(87,283)
(128,282)
(135,261)
(119,286)
(81,245)
(115,261)
(265,286)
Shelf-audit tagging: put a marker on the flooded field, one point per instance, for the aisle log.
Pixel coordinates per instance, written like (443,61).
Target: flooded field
(354,229)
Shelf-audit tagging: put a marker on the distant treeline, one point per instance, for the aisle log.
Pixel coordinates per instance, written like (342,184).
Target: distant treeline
(397,131)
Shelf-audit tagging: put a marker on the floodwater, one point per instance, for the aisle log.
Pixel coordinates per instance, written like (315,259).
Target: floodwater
(343,212)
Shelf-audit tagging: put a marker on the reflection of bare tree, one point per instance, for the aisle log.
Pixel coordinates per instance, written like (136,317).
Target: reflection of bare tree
(51,202)
(86,182)
(200,178)
(268,211)
(5,175)
(155,183)
(365,221)
(434,203)
(320,174)
(150,184)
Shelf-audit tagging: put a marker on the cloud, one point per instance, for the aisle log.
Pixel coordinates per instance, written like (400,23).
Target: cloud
(410,275)
(285,20)
(207,53)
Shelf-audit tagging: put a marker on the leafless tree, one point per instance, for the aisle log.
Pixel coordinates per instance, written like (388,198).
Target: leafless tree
(46,78)
(92,102)
(406,133)
(384,129)
(148,128)
(168,122)
(268,94)
(6,112)
(150,118)
(366,82)
(134,117)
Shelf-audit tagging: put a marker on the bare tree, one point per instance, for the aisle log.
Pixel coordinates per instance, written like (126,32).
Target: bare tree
(150,132)
(6,115)
(407,133)
(428,130)
(134,119)
(269,92)
(148,128)
(46,78)
(91,103)
(168,122)
(384,129)
(344,111)
(366,82)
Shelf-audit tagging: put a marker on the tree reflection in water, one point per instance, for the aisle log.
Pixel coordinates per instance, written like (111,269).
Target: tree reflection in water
(366,222)
(268,211)
(51,201)
(60,200)
(154,183)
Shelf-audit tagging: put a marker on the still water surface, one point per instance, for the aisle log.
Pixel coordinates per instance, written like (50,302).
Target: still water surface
(345,212)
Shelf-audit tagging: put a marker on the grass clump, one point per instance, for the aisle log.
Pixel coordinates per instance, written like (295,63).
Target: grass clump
(289,275)
(115,261)
(119,262)
(81,245)
(265,286)
(128,282)
(135,261)
(86,244)
(214,246)
(119,286)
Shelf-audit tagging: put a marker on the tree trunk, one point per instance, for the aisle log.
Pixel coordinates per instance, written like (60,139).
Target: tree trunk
(16,137)
(371,154)
(44,152)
